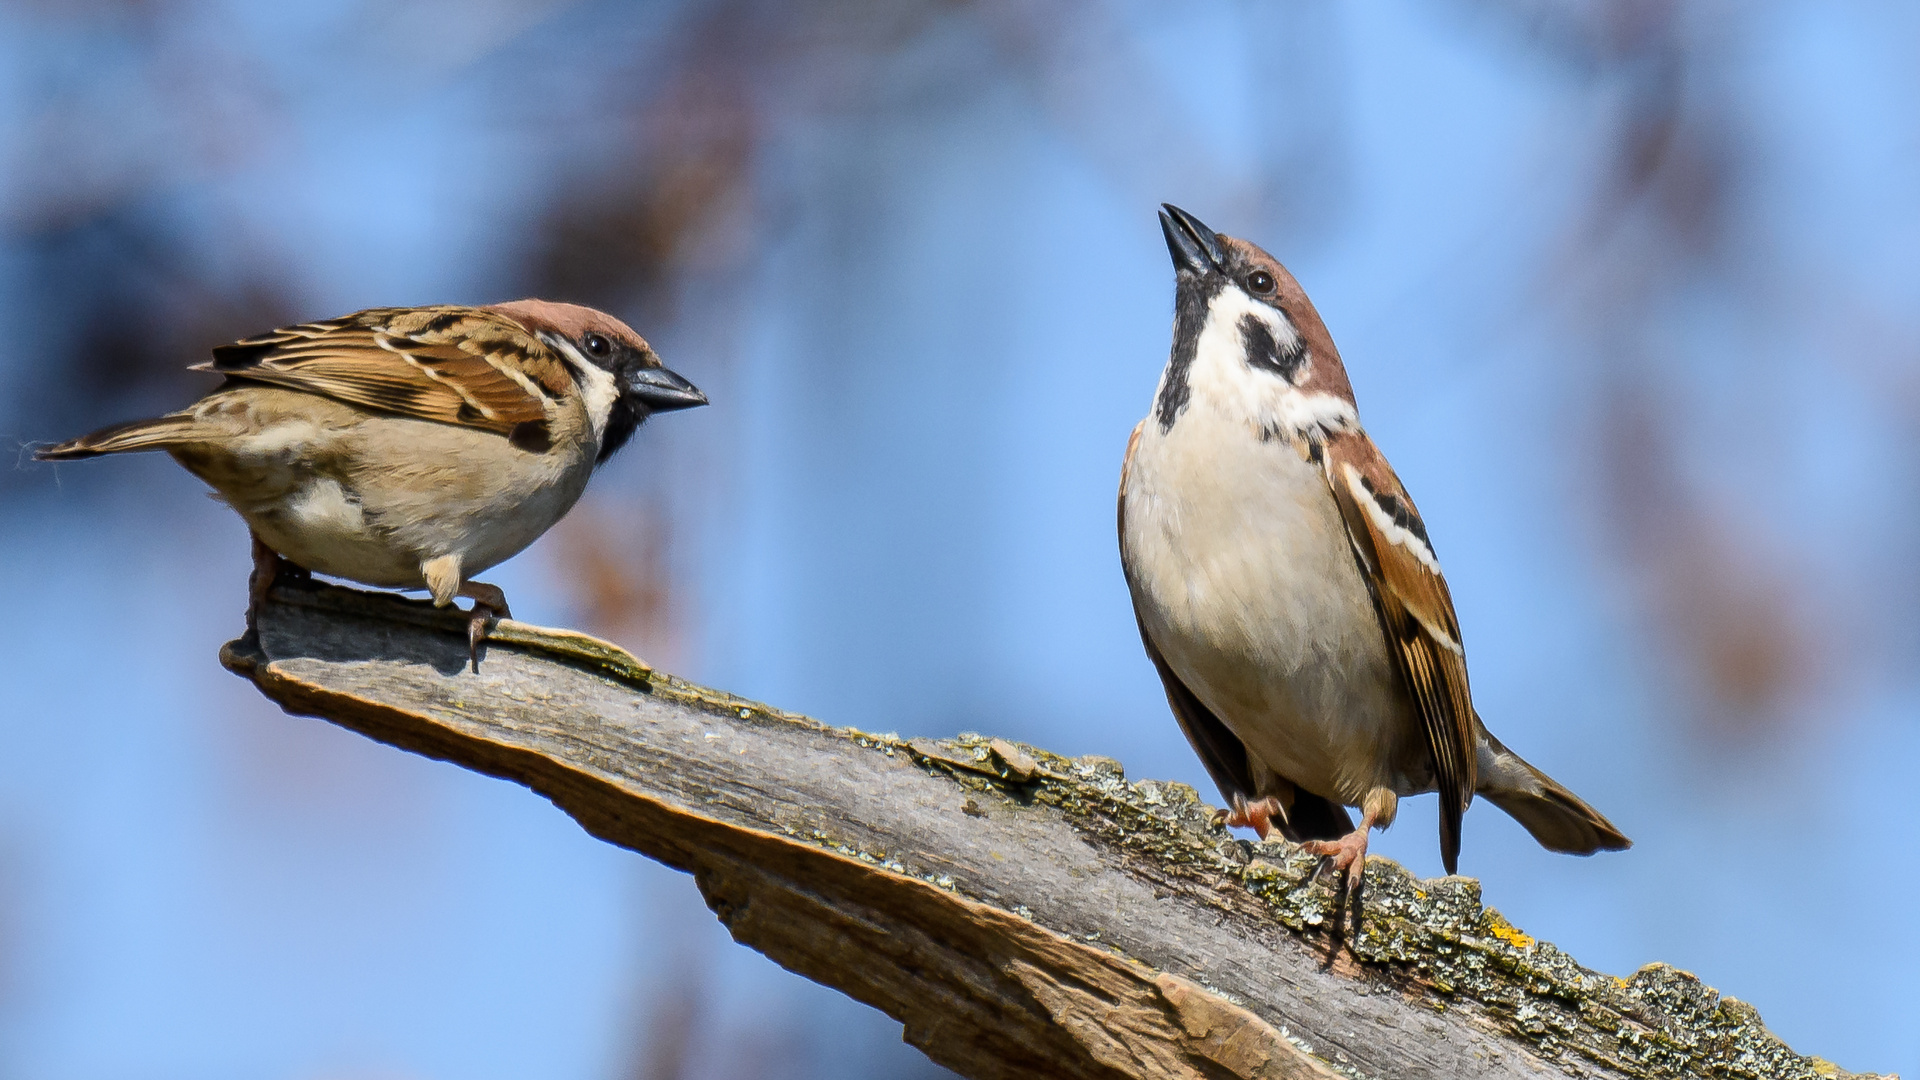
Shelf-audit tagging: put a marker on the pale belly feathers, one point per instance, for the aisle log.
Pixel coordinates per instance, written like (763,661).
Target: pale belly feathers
(343,515)
(1243,574)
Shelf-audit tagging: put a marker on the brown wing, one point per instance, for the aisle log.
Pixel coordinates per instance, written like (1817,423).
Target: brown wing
(1416,613)
(456,365)
(1309,817)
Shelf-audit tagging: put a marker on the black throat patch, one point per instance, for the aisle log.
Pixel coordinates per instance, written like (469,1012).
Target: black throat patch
(621,422)
(1190,299)
(1256,337)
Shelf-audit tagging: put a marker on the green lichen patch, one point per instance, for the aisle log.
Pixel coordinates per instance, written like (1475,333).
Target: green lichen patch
(1433,938)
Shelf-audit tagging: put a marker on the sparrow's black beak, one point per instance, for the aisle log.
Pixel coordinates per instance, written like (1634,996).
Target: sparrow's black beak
(1194,246)
(661,390)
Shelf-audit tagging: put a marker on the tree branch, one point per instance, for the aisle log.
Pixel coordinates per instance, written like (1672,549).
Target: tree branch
(1021,913)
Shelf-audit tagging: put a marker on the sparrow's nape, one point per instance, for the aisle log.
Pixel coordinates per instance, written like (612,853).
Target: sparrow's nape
(1195,248)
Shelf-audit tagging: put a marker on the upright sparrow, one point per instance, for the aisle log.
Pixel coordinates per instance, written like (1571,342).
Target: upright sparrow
(1287,591)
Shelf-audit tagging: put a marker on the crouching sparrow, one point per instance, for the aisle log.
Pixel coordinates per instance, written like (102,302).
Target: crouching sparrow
(409,448)
(1286,589)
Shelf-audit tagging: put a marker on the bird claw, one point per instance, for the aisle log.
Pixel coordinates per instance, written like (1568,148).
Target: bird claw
(489,603)
(1347,857)
(1257,815)
(1349,854)
(477,621)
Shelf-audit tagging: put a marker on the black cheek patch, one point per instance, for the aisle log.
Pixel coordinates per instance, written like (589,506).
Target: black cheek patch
(1264,352)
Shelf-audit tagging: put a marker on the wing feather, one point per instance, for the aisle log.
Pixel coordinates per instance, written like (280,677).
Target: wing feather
(1416,614)
(455,365)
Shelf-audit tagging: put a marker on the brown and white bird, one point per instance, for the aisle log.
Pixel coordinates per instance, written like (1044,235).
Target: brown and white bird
(1286,589)
(410,448)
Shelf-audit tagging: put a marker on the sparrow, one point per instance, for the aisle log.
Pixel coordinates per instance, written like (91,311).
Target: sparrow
(1287,591)
(409,448)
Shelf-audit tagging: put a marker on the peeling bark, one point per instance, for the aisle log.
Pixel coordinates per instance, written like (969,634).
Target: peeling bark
(1022,914)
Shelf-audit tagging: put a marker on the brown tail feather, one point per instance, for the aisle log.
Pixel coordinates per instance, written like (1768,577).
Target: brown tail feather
(155,434)
(1556,817)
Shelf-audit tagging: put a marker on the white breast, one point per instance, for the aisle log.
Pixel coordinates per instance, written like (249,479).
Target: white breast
(1242,571)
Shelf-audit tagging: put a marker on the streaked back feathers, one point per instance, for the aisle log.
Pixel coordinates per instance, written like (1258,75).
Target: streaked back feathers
(502,369)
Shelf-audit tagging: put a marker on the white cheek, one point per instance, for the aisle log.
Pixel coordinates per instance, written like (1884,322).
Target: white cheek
(598,388)
(1220,360)
(599,391)
(1222,378)
(1232,304)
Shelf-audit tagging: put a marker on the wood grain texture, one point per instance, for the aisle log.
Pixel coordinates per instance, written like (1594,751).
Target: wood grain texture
(1021,913)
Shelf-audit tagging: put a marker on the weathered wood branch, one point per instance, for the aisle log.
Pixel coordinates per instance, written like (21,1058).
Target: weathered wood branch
(1021,913)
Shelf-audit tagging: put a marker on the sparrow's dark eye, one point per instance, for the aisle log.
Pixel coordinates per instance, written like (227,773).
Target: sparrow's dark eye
(1260,281)
(596,345)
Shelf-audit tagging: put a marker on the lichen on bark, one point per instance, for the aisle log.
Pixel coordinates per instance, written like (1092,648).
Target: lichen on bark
(1432,939)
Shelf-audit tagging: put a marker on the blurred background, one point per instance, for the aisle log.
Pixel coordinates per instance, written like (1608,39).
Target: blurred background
(1627,289)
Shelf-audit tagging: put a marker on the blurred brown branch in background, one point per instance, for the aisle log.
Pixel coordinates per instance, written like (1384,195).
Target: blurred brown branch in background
(1727,609)
(1665,224)
(667,1043)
